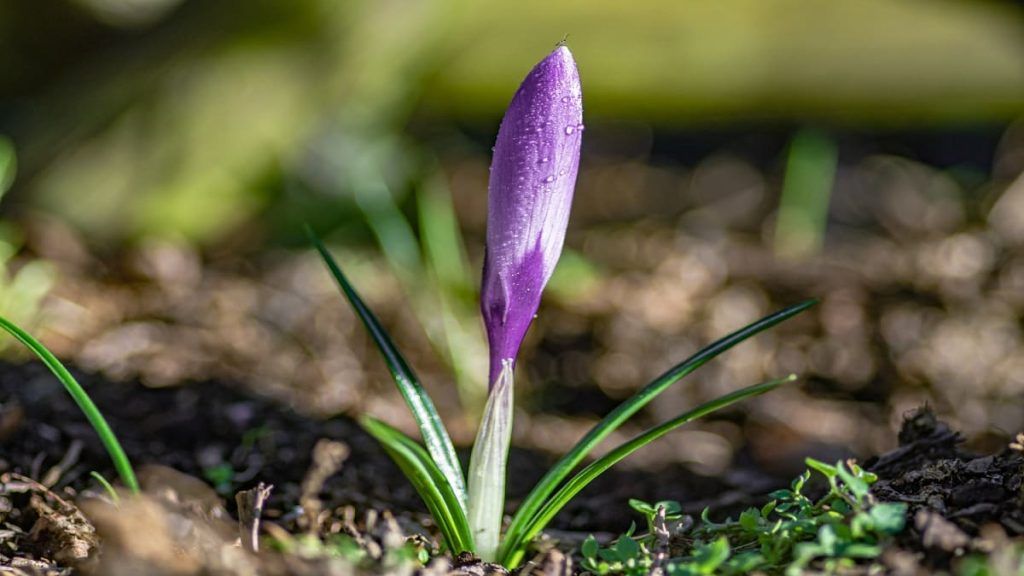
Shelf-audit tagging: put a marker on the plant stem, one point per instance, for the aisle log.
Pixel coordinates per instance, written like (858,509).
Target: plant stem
(487,466)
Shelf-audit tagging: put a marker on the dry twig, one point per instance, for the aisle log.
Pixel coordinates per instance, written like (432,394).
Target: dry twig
(250,508)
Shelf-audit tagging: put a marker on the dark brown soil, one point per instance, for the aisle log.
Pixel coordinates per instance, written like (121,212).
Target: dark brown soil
(204,429)
(201,430)
(193,429)
(958,502)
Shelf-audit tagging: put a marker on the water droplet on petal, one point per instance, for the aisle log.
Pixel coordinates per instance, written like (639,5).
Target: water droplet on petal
(549,179)
(580,127)
(570,129)
(545,160)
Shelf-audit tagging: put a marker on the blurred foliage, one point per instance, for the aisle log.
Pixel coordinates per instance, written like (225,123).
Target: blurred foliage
(22,288)
(436,277)
(8,165)
(1006,558)
(189,119)
(865,60)
(220,127)
(803,207)
(187,132)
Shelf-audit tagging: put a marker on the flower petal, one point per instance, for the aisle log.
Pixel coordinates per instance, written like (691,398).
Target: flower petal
(533,175)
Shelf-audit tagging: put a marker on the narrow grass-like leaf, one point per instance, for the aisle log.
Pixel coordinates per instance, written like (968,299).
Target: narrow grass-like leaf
(806,191)
(599,466)
(8,164)
(442,239)
(429,482)
(435,437)
(85,404)
(107,487)
(561,470)
(445,257)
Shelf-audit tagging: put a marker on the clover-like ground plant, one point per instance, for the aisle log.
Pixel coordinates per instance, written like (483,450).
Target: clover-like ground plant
(533,175)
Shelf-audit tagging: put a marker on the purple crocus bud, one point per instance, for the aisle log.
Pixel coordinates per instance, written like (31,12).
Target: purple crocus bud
(533,174)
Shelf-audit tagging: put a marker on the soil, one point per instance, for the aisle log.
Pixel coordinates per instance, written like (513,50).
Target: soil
(177,436)
(958,502)
(199,444)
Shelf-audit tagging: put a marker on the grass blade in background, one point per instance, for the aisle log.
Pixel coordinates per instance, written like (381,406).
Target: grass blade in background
(103,482)
(434,276)
(8,164)
(561,470)
(445,255)
(21,288)
(514,550)
(392,230)
(95,417)
(442,240)
(435,437)
(429,481)
(803,207)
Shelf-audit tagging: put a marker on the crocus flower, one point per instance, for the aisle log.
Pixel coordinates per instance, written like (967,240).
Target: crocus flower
(533,174)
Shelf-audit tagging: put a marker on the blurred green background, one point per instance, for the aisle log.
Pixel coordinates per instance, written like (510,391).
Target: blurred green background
(171,117)
(162,155)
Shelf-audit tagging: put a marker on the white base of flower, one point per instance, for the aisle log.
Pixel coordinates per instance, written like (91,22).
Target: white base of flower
(487,466)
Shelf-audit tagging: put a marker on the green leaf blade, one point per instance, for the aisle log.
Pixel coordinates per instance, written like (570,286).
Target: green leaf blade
(575,484)
(826,470)
(428,480)
(8,164)
(856,485)
(84,402)
(435,436)
(561,470)
(889,517)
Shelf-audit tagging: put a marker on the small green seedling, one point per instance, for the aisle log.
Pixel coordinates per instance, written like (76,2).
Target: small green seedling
(107,487)
(671,510)
(844,527)
(221,476)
